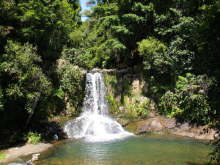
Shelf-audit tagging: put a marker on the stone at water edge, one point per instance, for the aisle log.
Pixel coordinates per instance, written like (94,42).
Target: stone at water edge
(160,124)
(35,157)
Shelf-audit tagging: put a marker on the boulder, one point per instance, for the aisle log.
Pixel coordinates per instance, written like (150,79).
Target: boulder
(159,124)
(144,126)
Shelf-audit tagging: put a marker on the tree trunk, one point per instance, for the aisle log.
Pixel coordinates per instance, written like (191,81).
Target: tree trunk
(32,110)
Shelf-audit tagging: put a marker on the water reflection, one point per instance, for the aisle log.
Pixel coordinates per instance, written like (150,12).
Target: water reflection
(132,151)
(95,152)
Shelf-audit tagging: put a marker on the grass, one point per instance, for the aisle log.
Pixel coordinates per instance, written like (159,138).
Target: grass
(2,155)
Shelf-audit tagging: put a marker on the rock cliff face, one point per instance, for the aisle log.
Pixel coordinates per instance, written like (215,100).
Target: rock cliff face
(126,91)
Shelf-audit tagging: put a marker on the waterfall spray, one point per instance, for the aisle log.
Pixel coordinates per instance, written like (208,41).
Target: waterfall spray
(94,124)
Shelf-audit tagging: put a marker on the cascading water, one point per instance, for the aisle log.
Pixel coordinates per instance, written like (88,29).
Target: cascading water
(94,124)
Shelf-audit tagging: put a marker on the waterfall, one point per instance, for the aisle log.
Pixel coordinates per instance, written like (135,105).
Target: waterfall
(95,124)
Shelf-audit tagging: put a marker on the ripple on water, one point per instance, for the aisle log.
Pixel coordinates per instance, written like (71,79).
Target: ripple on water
(149,150)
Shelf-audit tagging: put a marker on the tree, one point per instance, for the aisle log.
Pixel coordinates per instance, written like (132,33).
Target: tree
(22,80)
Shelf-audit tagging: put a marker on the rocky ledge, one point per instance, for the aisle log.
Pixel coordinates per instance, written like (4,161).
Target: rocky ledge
(164,125)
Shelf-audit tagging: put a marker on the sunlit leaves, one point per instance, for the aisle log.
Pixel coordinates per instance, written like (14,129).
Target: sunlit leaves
(18,59)
(132,18)
(110,50)
(105,10)
(107,21)
(14,91)
(71,84)
(19,64)
(138,6)
(189,100)
(46,24)
(121,30)
(153,52)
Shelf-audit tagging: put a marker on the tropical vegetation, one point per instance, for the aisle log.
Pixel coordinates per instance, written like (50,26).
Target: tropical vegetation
(44,46)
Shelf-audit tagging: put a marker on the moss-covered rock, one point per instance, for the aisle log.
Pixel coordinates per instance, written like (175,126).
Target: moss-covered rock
(125,94)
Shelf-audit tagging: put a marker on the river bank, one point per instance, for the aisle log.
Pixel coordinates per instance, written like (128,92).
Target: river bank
(155,124)
(14,153)
(163,125)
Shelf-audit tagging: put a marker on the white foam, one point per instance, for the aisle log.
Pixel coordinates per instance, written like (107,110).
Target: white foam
(94,124)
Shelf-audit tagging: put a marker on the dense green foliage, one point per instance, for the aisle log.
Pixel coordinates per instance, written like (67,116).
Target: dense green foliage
(189,100)
(33,34)
(71,87)
(174,43)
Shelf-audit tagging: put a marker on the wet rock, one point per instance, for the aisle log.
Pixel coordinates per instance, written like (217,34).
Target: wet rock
(161,124)
(169,123)
(55,137)
(29,162)
(197,132)
(121,108)
(217,136)
(35,157)
(156,125)
(184,126)
(150,125)
(51,131)
(151,114)
(124,122)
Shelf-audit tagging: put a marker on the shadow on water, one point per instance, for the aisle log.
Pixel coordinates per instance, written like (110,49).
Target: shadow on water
(49,129)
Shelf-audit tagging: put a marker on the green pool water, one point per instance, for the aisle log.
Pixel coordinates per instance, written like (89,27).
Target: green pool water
(146,150)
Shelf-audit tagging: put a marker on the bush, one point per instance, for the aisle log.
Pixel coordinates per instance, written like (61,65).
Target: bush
(215,155)
(33,138)
(2,155)
(113,104)
(138,108)
(189,100)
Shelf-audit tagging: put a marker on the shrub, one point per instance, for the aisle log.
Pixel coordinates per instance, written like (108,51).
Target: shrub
(33,138)
(2,155)
(189,100)
(136,109)
(113,104)
(215,155)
